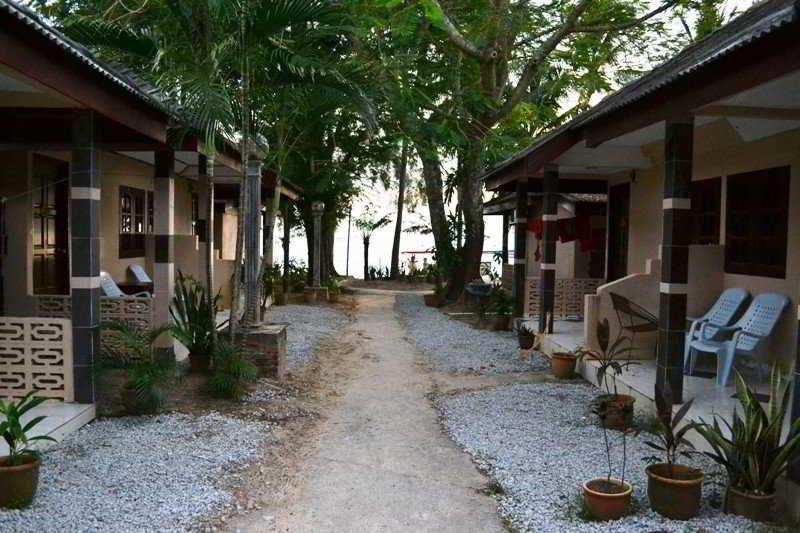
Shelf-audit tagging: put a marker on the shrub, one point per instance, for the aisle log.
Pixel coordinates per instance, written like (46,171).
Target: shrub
(231,372)
(193,319)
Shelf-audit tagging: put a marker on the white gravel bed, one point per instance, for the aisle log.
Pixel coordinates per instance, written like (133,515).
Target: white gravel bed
(160,473)
(308,326)
(455,346)
(540,442)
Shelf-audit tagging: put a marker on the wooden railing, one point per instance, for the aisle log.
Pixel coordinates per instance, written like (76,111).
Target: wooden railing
(36,354)
(569,297)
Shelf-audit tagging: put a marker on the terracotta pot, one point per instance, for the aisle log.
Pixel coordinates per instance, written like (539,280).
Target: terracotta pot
(675,491)
(606,501)
(526,339)
(199,363)
(500,322)
(753,506)
(618,410)
(18,483)
(563,365)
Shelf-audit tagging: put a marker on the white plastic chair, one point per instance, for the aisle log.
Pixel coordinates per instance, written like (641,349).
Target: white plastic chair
(139,274)
(112,290)
(748,334)
(722,313)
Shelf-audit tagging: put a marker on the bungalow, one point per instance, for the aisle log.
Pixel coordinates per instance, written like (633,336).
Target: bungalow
(695,173)
(92,196)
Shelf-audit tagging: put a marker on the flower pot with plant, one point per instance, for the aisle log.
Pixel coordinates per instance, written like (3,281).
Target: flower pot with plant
(562,364)
(502,307)
(608,498)
(674,490)
(194,321)
(133,352)
(19,470)
(612,360)
(334,289)
(753,448)
(525,336)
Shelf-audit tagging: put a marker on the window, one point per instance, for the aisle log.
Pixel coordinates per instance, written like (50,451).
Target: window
(132,209)
(756,223)
(705,214)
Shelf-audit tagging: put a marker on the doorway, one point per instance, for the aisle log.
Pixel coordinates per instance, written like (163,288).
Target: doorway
(50,209)
(619,197)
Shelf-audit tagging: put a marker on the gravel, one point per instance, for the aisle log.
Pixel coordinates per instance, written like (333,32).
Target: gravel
(454,346)
(308,326)
(160,473)
(540,442)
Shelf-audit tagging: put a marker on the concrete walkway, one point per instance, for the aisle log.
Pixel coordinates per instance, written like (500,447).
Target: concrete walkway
(383,463)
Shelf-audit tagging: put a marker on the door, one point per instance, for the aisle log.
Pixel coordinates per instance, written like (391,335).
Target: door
(50,197)
(618,224)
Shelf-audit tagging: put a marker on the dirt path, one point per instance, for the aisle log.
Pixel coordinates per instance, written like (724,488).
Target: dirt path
(379,461)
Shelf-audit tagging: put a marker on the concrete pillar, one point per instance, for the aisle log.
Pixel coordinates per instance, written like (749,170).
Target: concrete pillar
(547,273)
(164,262)
(85,253)
(678,148)
(317,208)
(252,222)
(520,245)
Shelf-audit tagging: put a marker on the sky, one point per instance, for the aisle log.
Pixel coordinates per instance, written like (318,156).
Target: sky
(383,201)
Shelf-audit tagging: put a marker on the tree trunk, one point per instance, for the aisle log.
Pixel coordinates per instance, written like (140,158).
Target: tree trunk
(308,225)
(401,168)
(366,257)
(207,165)
(470,199)
(432,175)
(287,233)
(236,281)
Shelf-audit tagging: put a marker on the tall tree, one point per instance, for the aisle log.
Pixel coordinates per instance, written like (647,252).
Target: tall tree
(401,175)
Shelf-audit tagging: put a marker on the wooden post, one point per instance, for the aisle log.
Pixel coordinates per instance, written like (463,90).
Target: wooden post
(547,274)
(678,149)
(520,244)
(85,252)
(504,252)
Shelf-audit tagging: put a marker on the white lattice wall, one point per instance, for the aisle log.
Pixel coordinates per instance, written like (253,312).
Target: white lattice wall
(569,297)
(136,312)
(36,354)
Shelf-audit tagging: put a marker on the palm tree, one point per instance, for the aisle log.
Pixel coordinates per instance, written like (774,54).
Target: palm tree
(367,223)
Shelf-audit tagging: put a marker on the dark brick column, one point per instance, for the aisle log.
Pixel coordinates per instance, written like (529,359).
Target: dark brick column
(794,470)
(678,147)
(520,247)
(252,258)
(164,245)
(85,252)
(547,275)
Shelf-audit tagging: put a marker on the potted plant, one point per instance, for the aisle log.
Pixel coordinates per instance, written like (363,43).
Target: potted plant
(674,490)
(133,352)
(503,308)
(194,318)
(19,470)
(232,372)
(752,449)
(608,498)
(525,336)
(334,289)
(618,408)
(562,364)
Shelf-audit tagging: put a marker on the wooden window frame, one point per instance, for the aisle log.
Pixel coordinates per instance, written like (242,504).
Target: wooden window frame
(132,222)
(706,214)
(753,199)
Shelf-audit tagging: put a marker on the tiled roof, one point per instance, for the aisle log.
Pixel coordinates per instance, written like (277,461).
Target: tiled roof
(749,27)
(124,78)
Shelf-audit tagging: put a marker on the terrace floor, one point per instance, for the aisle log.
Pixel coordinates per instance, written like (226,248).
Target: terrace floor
(62,419)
